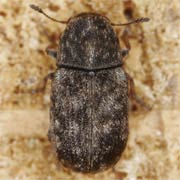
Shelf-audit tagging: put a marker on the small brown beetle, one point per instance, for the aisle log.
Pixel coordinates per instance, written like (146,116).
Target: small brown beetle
(89,96)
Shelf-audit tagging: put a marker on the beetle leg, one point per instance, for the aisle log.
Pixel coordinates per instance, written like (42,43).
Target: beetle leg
(125,38)
(52,53)
(132,94)
(43,85)
(129,7)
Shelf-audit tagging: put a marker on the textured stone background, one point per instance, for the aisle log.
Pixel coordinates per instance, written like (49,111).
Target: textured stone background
(153,150)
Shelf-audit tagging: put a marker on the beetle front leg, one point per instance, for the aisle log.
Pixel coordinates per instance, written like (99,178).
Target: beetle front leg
(125,38)
(133,96)
(43,85)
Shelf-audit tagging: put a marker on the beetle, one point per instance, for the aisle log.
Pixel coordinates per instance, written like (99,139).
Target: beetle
(89,95)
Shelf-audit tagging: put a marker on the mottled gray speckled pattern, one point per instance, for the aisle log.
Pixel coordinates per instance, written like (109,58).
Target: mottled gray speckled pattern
(89,41)
(89,110)
(89,125)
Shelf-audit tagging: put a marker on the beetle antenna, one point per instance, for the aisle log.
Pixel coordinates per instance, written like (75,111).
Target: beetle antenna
(38,9)
(139,20)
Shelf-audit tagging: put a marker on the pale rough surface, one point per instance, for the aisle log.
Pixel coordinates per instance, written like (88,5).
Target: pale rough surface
(153,150)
